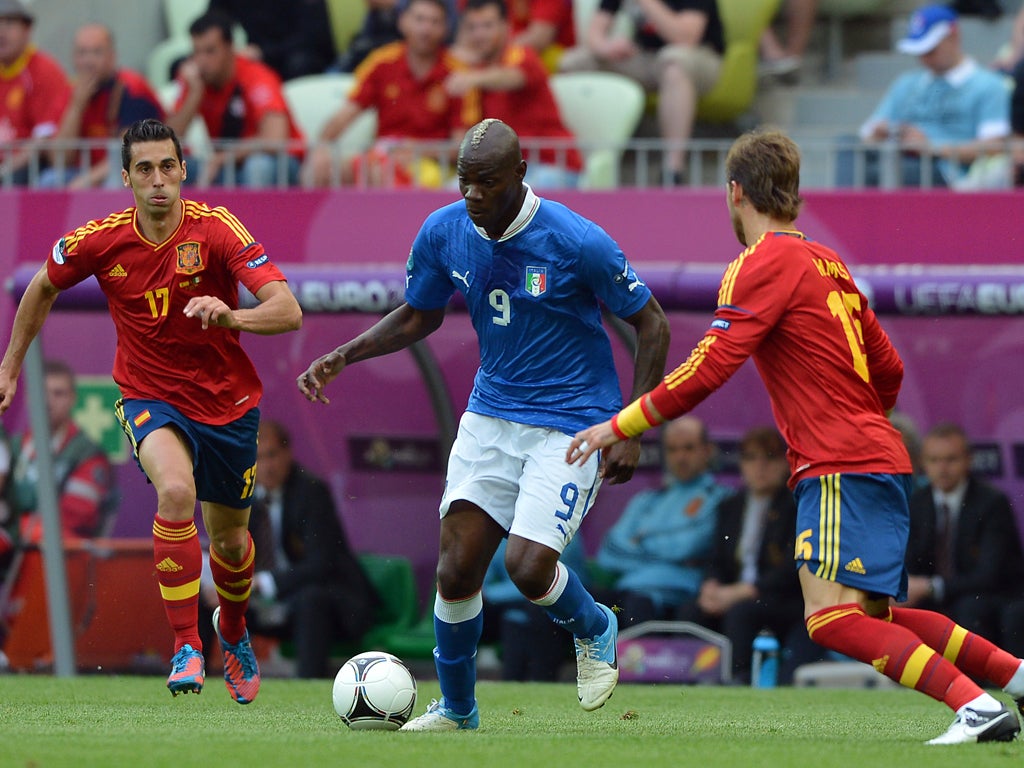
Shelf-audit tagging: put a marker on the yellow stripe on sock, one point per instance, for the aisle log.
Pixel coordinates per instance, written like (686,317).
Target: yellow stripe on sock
(915,666)
(183,592)
(232,596)
(956,642)
(234,567)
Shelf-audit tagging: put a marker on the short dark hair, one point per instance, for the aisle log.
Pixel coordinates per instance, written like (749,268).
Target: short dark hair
(765,439)
(59,368)
(946,429)
(214,19)
(767,165)
(472,5)
(147,130)
(276,428)
(405,5)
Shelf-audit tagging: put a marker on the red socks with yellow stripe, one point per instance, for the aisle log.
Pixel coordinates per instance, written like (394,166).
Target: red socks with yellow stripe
(893,647)
(178,559)
(972,653)
(234,584)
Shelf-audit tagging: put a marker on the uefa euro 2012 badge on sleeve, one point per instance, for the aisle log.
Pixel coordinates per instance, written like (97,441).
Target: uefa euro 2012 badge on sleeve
(59,252)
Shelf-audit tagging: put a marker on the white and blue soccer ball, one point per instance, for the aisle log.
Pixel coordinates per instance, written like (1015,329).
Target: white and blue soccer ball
(374,691)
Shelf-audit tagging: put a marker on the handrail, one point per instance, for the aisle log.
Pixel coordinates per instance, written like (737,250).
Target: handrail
(639,160)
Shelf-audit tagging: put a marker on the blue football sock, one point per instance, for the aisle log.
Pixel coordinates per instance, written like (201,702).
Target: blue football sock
(457,628)
(569,604)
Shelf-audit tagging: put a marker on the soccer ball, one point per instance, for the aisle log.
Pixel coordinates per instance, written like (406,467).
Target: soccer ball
(374,691)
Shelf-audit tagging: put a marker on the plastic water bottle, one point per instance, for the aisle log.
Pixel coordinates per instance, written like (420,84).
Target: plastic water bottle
(764,670)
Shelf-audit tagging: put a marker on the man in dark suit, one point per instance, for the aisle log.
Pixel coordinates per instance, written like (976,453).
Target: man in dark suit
(308,584)
(751,583)
(964,553)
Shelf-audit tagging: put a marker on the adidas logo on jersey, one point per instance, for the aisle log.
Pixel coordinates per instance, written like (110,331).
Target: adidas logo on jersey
(168,566)
(856,566)
(117,271)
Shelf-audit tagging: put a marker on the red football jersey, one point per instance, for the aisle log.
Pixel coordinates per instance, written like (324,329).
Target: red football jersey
(829,368)
(162,354)
(408,108)
(235,110)
(33,94)
(531,111)
(558,13)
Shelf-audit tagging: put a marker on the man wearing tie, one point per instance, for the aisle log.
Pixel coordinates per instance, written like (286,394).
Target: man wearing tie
(964,553)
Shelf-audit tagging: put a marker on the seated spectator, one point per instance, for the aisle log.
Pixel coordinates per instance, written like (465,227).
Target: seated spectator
(546,26)
(964,552)
(105,100)
(941,116)
(405,82)
(659,548)
(751,583)
(676,52)
(380,27)
(239,100)
(84,479)
(532,647)
(293,39)
(308,584)
(780,58)
(33,94)
(1011,61)
(508,82)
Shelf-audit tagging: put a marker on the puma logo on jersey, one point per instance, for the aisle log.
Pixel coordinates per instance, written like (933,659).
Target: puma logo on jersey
(117,271)
(464,278)
(636,283)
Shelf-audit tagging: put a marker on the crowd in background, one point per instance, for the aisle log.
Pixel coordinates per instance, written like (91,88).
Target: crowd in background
(429,69)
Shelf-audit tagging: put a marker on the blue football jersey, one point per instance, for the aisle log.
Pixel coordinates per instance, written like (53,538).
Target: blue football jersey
(534,297)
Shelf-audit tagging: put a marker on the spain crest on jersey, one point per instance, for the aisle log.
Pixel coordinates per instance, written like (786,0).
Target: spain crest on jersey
(536,280)
(190,260)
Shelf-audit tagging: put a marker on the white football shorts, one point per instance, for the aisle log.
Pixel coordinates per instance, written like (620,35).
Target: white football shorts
(517,474)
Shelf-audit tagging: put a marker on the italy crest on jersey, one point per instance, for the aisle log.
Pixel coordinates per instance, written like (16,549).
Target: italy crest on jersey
(190,260)
(536,280)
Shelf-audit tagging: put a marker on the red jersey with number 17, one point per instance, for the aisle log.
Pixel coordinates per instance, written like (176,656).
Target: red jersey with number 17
(162,354)
(830,370)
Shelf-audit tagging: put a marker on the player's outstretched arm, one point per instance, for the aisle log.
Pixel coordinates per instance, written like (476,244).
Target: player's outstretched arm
(32,312)
(277,312)
(396,330)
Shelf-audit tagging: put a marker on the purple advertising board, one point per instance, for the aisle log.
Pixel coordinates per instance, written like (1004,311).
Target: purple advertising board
(943,269)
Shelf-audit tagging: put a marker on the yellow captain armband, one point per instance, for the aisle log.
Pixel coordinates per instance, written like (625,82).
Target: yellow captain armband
(632,420)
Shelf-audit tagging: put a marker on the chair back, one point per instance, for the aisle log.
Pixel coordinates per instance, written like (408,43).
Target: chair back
(312,100)
(743,22)
(602,109)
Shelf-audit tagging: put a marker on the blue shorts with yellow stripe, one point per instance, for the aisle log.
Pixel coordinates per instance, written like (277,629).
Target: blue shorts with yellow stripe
(223,456)
(853,529)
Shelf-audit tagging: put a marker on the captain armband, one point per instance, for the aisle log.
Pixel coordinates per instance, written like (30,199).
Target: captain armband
(633,419)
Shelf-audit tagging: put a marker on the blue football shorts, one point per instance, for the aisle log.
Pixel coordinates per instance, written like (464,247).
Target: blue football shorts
(223,456)
(853,529)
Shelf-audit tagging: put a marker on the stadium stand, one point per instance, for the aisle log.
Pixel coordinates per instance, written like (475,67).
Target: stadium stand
(603,109)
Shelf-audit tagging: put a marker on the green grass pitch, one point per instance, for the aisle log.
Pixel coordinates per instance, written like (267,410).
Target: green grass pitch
(95,720)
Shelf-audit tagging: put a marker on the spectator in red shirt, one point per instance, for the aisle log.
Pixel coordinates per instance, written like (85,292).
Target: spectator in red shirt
(240,100)
(33,93)
(546,26)
(105,100)
(405,82)
(508,81)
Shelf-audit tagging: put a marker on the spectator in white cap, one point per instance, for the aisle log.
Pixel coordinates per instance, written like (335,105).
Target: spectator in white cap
(943,115)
